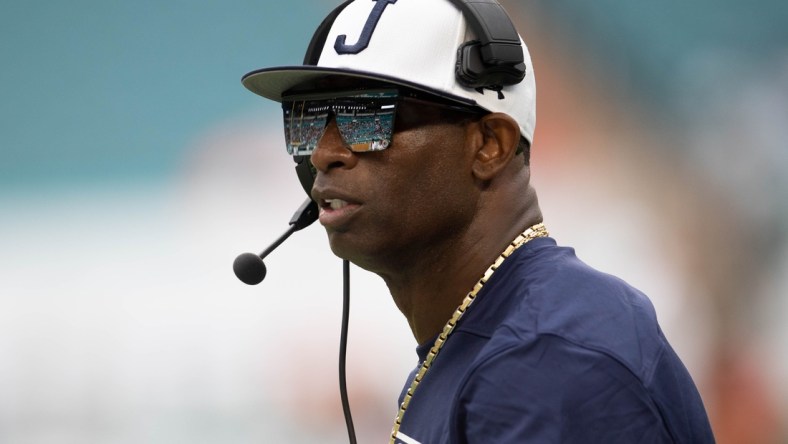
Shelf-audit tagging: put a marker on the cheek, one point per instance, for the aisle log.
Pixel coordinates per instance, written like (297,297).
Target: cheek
(434,157)
(431,180)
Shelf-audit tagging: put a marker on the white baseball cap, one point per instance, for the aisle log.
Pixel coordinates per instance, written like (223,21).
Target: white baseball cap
(410,43)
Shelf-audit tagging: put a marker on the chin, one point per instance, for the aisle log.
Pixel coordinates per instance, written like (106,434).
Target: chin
(361,254)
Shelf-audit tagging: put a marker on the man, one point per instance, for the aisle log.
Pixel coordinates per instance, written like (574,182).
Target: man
(412,121)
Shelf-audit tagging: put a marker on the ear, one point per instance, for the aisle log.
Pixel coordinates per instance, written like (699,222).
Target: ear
(496,144)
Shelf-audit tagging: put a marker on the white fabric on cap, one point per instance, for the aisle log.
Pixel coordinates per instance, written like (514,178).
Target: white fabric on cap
(417,47)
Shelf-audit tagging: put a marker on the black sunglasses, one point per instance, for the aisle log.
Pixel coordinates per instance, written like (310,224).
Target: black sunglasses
(365,118)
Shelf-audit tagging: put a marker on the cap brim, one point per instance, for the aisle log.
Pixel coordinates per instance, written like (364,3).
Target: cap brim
(272,83)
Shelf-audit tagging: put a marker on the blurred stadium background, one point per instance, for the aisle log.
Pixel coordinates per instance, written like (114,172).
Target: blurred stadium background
(134,167)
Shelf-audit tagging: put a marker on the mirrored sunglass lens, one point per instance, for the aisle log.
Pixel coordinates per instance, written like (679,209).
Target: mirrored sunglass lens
(365,121)
(366,128)
(304,125)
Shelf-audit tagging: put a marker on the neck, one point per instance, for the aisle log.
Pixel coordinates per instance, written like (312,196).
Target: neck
(427,289)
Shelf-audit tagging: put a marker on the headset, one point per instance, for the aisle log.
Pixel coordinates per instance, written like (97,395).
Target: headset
(493,61)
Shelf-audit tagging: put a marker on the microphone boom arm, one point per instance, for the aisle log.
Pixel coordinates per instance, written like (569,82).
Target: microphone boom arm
(250,268)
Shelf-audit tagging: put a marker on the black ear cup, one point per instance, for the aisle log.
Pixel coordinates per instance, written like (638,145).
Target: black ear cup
(496,59)
(473,72)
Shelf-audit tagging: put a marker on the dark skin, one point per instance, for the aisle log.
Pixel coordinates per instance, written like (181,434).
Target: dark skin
(430,213)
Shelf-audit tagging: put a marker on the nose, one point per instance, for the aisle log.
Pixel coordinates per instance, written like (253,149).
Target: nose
(331,151)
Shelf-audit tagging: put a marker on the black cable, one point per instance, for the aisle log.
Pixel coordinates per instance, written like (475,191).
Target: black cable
(343,351)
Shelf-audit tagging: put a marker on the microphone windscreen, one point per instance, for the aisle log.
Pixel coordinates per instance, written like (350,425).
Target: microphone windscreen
(249,268)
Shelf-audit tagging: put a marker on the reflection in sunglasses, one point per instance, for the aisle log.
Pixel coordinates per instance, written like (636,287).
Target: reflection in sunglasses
(365,120)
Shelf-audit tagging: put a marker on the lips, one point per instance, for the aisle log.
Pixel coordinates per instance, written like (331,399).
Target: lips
(335,210)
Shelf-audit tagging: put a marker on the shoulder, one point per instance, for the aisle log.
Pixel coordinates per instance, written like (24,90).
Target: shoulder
(576,353)
(553,293)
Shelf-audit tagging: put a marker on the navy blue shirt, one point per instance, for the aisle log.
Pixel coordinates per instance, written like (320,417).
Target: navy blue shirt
(553,351)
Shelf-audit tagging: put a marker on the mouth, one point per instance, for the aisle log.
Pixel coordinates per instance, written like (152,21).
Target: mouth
(335,212)
(333,204)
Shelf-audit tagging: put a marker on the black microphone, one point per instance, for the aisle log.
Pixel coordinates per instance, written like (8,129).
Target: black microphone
(249,267)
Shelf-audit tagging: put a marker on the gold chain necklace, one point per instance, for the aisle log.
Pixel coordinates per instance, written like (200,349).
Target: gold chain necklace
(529,234)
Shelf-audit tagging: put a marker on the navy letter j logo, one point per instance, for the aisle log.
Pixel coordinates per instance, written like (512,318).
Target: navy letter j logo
(366,33)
